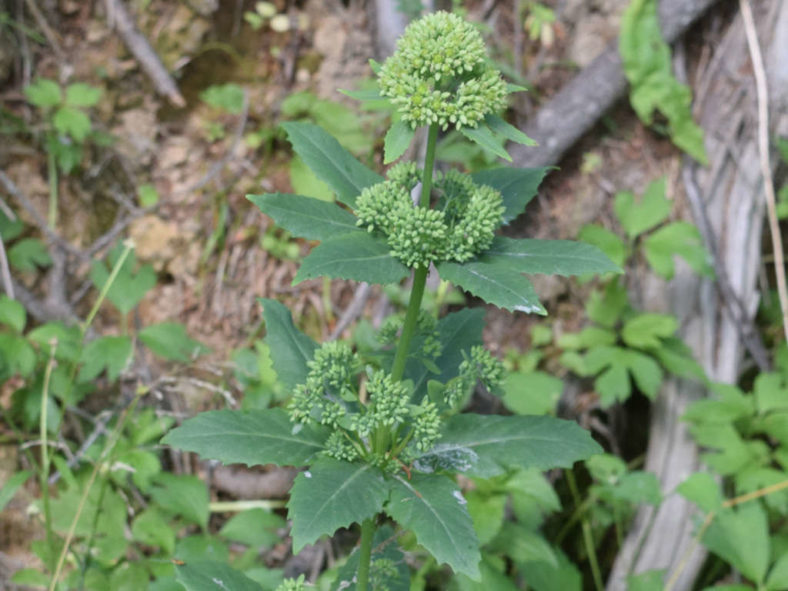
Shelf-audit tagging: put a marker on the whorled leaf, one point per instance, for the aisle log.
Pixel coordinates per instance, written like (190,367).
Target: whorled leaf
(291,349)
(305,217)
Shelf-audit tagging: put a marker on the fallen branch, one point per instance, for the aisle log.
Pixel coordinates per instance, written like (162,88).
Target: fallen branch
(562,120)
(119,19)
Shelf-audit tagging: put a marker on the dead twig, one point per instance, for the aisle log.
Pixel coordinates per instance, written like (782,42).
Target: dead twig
(762,94)
(748,333)
(42,23)
(5,271)
(119,19)
(353,311)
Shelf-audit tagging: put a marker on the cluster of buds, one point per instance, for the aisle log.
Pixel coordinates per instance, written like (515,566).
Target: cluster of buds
(461,226)
(427,325)
(482,367)
(440,74)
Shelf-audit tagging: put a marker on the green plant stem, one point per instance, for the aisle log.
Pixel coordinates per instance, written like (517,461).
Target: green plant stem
(52,173)
(588,538)
(365,554)
(429,165)
(44,470)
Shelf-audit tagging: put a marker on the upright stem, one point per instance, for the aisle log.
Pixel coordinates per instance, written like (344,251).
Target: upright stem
(420,275)
(365,554)
(44,472)
(401,356)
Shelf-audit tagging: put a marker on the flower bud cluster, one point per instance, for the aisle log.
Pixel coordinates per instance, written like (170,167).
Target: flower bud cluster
(462,225)
(389,405)
(480,367)
(426,426)
(298,584)
(440,74)
(427,324)
(339,447)
(328,388)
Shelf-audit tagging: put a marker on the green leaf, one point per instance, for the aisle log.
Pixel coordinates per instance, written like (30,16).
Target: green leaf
(543,576)
(741,537)
(72,122)
(491,444)
(606,241)
(769,389)
(495,283)
(517,186)
(184,495)
(677,239)
(330,161)
(208,575)
(653,209)
(605,307)
(12,313)
(482,136)
(357,256)
(524,545)
(458,332)
(148,195)
(548,257)
(397,140)
(305,182)
(433,508)
(384,548)
(11,485)
(651,580)
(778,576)
(305,217)
(254,438)
(255,527)
(333,494)
(151,528)
(29,254)
(535,393)
(110,353)
(647,65)
(510,132)
(647,330)
(44,93)
(290,349)
(169,340)
(129,287)
(227,97)
(80,94)
(16,356)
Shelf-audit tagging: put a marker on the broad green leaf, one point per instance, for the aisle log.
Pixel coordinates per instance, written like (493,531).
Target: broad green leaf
(638,487)
(647,65)
(184,495)
(677,239)
(517,186)
(606,241)
(590,336)
(80,94)
(770,392)
(151,528)
(457,333)
(254,438)
(510,132)
(306,183)
(732,455)
(255,527)
(12,485)
(170,340)
(397,140)
(524,545)
(44,93)
(491,444)
(29,254)
(741,537)
(492,577)
(290,349)
(357,256)
(495,283)
(646,331)
(651,580)
(148,195)
(548,257)
(129,287)
(12,313)
(305,217)
(16,356)
(646,373)
(69,340)
(677,358)
(535,393)
(605,307)
(701,489)
(228,97)
(330,161)
(487,513)
(72,122)
(653,209)
(105,353)
(209,575)
(778,576)
(333,494)
(483,136)
(372,94)
(543,576)
(433,508)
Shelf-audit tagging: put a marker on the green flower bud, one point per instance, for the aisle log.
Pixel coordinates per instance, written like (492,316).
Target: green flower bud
(440,74)
(426,425)
(339,448)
